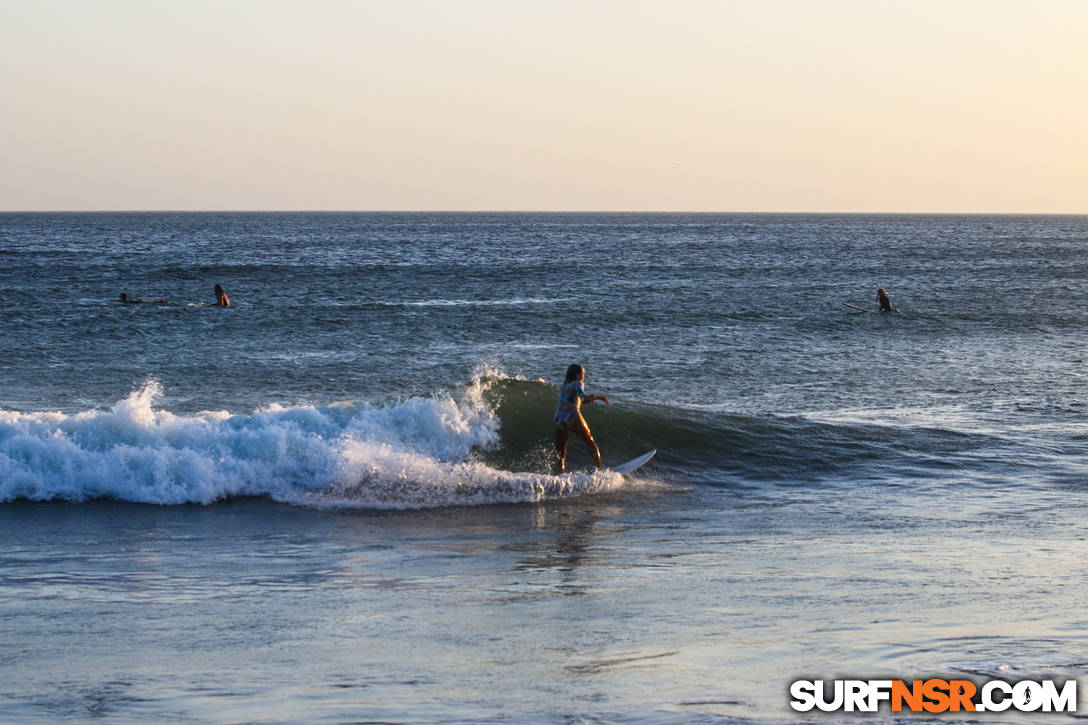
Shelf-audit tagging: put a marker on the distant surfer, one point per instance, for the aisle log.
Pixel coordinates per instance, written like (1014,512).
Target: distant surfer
(884,300)
(568,417)
(221,297)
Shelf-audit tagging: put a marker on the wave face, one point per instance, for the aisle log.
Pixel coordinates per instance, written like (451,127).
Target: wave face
(485,442)
(420,452)
(717,448)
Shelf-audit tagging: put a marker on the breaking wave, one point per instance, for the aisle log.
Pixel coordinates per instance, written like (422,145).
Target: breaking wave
(415,453)
(485,442)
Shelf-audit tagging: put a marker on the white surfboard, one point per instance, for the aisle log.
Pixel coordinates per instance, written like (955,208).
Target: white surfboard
(634,463)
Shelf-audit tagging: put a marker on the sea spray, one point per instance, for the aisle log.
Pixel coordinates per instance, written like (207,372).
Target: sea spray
(417,452)
(133,452)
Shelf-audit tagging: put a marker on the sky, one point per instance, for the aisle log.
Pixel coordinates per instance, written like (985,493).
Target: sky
(938,106)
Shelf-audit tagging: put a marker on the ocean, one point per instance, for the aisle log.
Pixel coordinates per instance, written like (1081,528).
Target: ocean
(332,502)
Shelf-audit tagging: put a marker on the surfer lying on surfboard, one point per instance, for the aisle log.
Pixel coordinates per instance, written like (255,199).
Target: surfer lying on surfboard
(568,417)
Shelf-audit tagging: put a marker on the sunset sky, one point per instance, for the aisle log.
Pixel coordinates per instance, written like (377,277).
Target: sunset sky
(677,105)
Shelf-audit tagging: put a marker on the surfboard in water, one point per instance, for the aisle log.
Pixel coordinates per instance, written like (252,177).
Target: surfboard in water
(872,312)
(634,464)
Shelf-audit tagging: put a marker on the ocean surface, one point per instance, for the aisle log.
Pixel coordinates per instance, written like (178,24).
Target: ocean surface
(331,501)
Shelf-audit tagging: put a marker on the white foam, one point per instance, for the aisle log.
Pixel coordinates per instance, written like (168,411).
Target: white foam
(409,454)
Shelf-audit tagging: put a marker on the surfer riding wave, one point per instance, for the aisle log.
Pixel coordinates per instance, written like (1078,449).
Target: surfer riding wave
(568,417)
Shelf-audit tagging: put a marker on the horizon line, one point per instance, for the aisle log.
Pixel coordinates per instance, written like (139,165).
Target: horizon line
(540,211)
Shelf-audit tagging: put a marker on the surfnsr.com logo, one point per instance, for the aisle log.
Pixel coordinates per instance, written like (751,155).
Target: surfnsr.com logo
(933,695)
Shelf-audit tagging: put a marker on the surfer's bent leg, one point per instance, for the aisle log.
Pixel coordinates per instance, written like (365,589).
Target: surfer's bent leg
(561,434)
(578,425)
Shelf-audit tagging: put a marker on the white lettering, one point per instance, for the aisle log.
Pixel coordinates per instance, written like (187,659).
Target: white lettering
(836,702)
(856,696)
(804,695)
(1027,696)
(994,695)
(989,704)
(880,691)
(1064,701)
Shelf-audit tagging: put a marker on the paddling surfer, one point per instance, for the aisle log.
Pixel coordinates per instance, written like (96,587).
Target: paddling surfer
(221,297)
(568,417)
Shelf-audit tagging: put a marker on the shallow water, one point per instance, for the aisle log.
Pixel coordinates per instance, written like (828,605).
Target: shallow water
(644,606)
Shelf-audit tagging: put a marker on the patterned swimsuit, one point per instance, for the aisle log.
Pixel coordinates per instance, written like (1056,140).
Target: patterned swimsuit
(571,396)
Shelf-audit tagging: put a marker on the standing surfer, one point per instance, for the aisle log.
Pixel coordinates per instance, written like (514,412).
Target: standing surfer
(568,417)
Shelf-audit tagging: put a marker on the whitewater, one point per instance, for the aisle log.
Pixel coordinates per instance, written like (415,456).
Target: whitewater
(412,454)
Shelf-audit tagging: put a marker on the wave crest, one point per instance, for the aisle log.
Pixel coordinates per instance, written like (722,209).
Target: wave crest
(419,452)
